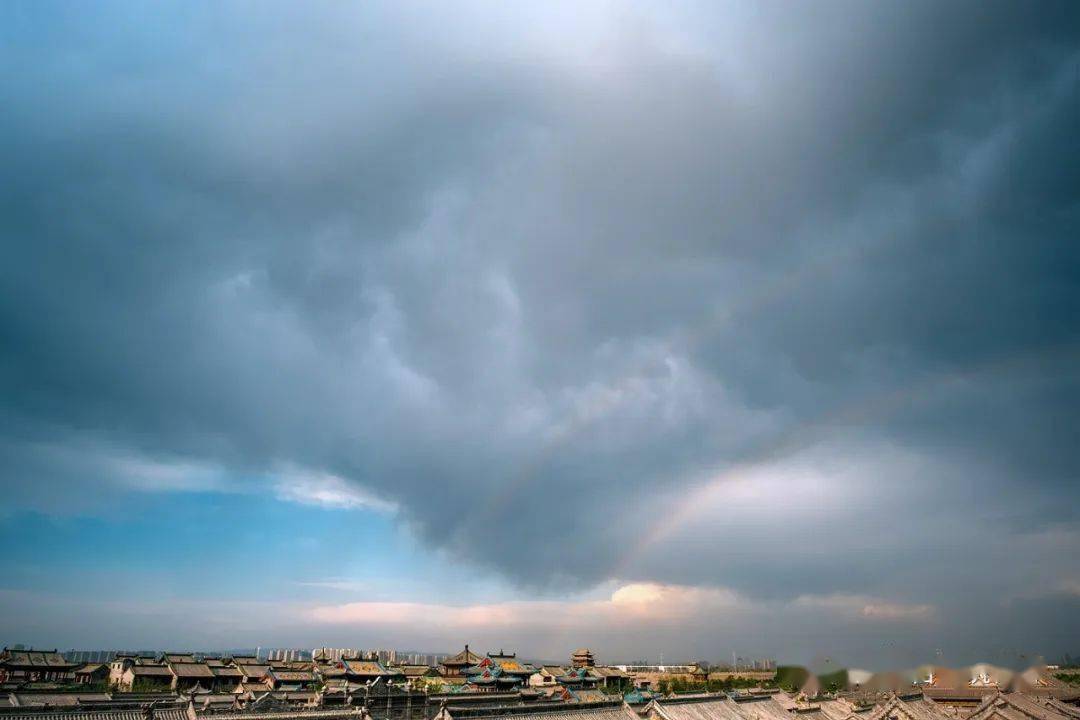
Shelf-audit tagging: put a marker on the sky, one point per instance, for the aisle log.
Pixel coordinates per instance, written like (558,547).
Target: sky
(668,329)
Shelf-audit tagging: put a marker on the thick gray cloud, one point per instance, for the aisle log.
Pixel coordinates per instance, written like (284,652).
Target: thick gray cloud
(541,275)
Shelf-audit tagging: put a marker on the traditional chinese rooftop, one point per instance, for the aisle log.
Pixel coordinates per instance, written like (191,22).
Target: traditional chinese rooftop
(696,707)
(1021,706)
(35,659)
(179,658)
(465,658)
(608,710)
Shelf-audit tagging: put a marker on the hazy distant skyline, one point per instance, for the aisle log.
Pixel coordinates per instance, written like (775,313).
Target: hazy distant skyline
(680,328)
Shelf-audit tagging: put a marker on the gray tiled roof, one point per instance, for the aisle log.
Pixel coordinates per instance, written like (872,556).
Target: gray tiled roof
(594,711)
(35,658)
(134,714)
(1016,706)
(294,675)
(1063,708)
(155,670)
(697,708)
(188,670)
(37,699)
(221,671)
(89,668)
(908,707)
(126,711)
(313,714)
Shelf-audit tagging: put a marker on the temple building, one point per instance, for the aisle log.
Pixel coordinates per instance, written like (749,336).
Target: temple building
(582,658)
(456,665)
(499,671)
(580,677)
(420,675)
(363,671)
(292,680)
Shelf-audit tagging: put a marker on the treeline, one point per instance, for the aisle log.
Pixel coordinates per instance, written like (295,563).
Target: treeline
(792,678)
(681,685)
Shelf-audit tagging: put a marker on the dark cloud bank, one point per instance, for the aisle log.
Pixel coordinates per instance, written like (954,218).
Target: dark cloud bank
(539,277)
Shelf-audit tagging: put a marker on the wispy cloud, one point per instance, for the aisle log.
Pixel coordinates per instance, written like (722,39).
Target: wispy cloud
(141,473)
(642,602)
(327,490)
(342,585)
(636,603)
(869,608)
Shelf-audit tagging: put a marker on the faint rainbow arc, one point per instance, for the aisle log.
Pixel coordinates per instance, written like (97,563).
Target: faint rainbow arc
(807,435)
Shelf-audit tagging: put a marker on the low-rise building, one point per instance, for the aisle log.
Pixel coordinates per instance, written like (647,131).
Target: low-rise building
(252,672)
(139,677)
(35,666)
(292,680)
(120,664)
(188,676)
(225,677)
(92,674)
(546,676)
(612,678)
(248,691)
(177,657)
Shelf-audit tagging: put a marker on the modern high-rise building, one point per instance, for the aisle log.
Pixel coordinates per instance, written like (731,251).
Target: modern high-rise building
(90,656)
(335,654)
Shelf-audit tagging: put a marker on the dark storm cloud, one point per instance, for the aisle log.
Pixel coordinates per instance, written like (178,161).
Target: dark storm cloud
(540,275)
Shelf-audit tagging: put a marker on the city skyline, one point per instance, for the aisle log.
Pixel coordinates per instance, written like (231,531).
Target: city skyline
(296,654)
